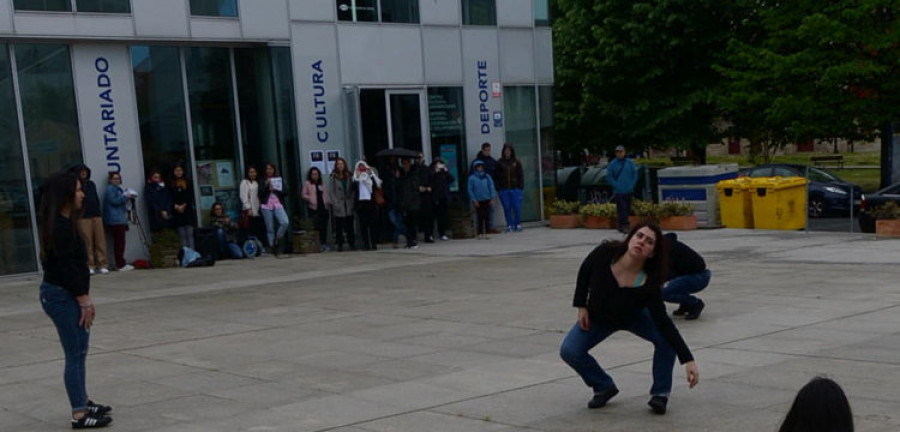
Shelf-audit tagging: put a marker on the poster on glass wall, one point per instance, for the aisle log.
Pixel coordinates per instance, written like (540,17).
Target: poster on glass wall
(317,160)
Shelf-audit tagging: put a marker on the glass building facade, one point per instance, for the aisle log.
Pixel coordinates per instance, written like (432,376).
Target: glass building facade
(217,89)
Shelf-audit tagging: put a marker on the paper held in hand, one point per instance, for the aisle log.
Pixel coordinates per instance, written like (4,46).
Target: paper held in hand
(276,183)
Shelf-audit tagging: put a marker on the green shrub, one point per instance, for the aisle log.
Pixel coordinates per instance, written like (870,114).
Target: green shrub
(671,208)
(644,208)
(563,207)
(607,210)
(889,210)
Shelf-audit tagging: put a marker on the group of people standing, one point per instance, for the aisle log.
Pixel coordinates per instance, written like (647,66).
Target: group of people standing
(490,178)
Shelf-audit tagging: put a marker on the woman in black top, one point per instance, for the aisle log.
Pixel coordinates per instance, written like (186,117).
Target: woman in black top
(619,288)
(183,206)
(65,291)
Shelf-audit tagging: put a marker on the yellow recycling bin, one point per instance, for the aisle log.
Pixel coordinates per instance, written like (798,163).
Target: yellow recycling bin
(779,202)
(735,202)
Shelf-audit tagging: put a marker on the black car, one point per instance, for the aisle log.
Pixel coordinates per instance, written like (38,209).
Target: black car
(873,200)
(827,193)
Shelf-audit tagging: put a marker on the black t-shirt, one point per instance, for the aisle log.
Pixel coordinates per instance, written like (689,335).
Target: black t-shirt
(66,264)
(597,290)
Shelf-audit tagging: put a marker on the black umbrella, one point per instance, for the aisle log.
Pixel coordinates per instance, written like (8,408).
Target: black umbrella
(398,152)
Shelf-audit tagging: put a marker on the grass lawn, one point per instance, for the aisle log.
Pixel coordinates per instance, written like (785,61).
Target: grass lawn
(868,178)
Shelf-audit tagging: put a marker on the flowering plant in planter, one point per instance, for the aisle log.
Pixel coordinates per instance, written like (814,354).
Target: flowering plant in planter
(643,211)
(598,215)
(887,220)
(565,214)
(677,215)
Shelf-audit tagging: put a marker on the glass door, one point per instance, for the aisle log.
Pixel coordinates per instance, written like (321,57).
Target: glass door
(405,115)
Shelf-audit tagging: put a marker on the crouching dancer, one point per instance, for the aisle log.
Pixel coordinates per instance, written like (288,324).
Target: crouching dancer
(619,288)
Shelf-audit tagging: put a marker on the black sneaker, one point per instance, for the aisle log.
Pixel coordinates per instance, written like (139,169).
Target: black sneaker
(600,399)
(658,404)
(682,309)
(97,409)
(90,421)
(694,311)
(429,239)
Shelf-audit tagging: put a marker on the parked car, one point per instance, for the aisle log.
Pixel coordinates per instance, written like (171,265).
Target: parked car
(828,194)
(873,200)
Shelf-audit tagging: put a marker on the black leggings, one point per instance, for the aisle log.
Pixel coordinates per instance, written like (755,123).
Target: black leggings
(367,212)
(320,218)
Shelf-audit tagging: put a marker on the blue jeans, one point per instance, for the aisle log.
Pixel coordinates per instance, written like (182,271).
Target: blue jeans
(396,218)
(575,347)
(623,207)
(63,310)
(269,216)
(512,206)
(679,289)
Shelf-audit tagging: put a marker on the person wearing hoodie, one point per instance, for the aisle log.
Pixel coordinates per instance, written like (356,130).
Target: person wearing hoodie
(510,182)
(688,275)
(159,202)
(440,181)
(115,217)
(366,180)
(490,165)
(481,192)
(91,223)
(621,173)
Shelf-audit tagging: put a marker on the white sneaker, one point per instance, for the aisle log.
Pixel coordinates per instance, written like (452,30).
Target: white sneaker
(128,267)
(91,271)
(104,270)
(445,238)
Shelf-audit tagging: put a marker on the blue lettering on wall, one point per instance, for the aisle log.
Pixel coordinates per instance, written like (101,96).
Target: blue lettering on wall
(483,96)
(107,111)
(319,107)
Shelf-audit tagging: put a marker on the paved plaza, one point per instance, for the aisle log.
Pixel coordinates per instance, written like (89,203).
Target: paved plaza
(461,336)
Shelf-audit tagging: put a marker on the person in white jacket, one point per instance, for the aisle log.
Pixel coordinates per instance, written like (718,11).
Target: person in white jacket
(249,191)
(368,183)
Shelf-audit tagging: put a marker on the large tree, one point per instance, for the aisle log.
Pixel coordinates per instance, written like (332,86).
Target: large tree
(808,69)
(638,73)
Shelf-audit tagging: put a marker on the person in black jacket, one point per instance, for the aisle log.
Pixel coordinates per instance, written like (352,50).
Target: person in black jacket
(440,181)
(65,291)
(91,223)
(409,200)
(687,275)
(618,288)
(183,216)
(426,199)
(159,202)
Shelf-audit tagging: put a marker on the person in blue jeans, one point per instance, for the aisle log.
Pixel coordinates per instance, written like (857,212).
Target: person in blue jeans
(510,180)
(618,288)
(688,275)
(621,173)
(65,291)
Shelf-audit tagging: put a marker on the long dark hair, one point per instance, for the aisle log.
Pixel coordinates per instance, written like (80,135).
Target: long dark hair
(185,180)
(247,172)
(58,193)
(342,174)
(274,170)
(309,175)
(657,266)
(820,406)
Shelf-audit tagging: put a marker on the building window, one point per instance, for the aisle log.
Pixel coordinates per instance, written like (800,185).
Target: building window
(400,11)
(103,6)
(222,8)
(357,10)
(541,13)
(48,108)
(447,124)
(43,5)
(160,101)
(479,12)
(16,235)
(519,105)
